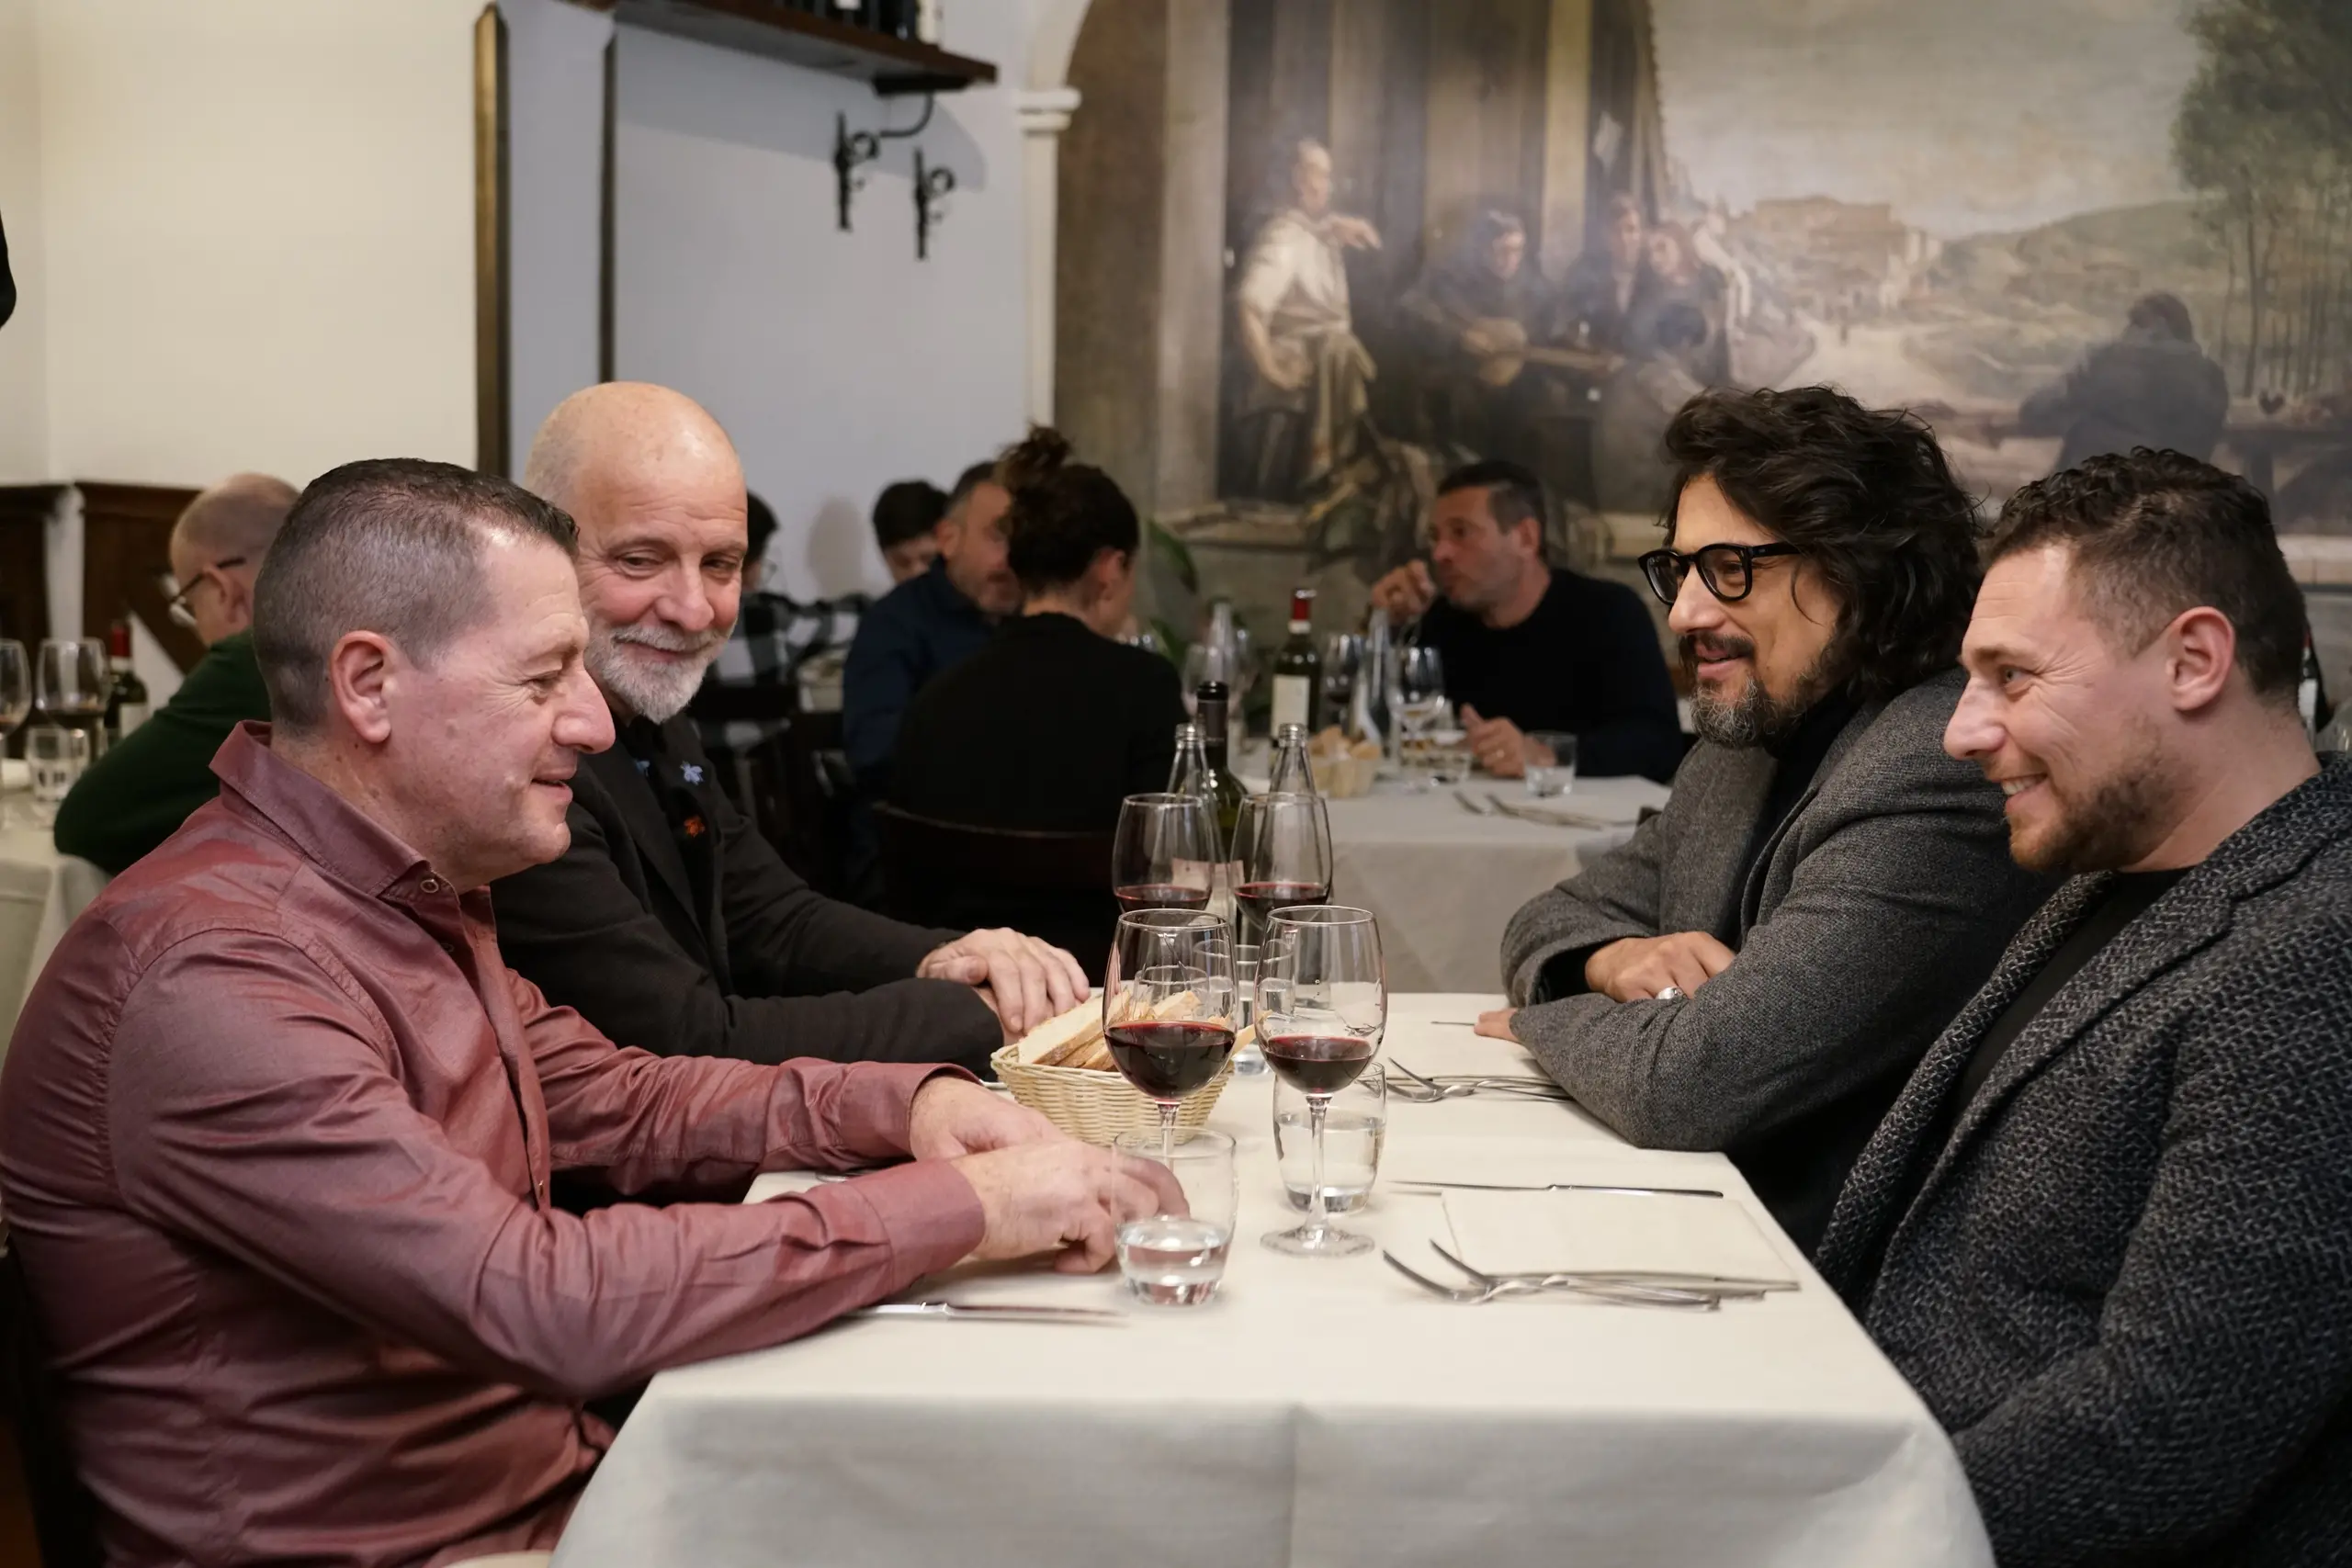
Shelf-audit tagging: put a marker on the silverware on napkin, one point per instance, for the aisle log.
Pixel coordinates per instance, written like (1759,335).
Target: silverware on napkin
(995,1311)
(1550,815)
(1406,1182)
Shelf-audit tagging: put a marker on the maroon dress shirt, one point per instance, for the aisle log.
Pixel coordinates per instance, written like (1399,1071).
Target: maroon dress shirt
(276,1132)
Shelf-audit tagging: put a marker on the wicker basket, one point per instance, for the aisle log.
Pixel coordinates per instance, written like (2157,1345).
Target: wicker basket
(1097,1106)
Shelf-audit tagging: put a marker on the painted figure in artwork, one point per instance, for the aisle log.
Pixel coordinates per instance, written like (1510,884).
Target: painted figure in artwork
(1301,410)
(2151,387)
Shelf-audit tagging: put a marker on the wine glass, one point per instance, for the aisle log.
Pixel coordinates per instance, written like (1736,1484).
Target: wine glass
(15,699)
(1417,696)
(1168,1006)
(1322,1005)
(1164,853)
(1282,843)
(70,683)
(1342,657)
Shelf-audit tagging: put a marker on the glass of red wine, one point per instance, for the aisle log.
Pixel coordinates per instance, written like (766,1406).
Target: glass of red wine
(1164,855)
(1322,1005)
(1168,1006)
(1283,844)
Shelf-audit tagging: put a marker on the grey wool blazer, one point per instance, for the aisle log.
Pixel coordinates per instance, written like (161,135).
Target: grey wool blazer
(1877,908)
(2125,1282)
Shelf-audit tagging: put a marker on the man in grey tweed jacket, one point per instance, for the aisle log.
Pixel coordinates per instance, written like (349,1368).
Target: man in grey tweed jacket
(1761,967)
(2107,1229)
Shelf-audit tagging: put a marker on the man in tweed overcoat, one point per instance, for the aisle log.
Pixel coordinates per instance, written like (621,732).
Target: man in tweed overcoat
(2107,1229)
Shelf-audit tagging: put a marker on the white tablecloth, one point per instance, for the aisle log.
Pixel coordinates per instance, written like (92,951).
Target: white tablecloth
(40,892)
(1322,1412)
(1444,882)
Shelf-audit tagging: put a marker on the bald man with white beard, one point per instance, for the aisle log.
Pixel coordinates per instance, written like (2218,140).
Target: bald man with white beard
(670,923)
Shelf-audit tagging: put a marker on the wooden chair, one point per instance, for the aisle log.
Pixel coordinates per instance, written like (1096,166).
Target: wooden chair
(1056,885)
(65,1516)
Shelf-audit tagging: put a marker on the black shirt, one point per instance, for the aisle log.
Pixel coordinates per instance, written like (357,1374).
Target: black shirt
(1799,754)
(1587,662)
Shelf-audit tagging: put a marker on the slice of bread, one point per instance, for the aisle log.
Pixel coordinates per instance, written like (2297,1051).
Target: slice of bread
(1052,1043)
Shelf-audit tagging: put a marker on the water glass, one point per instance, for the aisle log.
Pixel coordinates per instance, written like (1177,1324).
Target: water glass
(1557,777)
(1417,696)
(1178,1259)
(57,756)
(1249,1061)
(1354,1129)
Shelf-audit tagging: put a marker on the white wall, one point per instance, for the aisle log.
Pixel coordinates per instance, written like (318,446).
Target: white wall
(838,362)
(256,228)
(555,105)
(23,394)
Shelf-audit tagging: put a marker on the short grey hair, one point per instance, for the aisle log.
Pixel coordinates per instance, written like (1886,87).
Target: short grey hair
(391,545)
(237,518)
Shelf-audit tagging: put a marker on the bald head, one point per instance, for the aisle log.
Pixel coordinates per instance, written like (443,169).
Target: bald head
(217,547)
(654,486)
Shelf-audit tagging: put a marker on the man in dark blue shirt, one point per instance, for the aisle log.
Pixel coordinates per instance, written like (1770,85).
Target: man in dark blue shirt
(1528,648)
(926,625)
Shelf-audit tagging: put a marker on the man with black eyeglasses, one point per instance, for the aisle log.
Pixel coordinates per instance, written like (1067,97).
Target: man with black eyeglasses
(137,796)
(1760,969)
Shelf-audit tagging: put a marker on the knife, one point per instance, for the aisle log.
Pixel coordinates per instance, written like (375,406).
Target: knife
(1404,1181)
(997,1312)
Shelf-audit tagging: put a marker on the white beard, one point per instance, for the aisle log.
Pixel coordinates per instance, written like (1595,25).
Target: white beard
(654,691)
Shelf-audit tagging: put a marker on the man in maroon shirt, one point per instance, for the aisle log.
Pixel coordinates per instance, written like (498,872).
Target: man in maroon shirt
(278,1123)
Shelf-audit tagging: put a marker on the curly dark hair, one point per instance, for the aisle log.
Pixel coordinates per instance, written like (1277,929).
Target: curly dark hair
(1866,494)
(2156,533)
(1063,513)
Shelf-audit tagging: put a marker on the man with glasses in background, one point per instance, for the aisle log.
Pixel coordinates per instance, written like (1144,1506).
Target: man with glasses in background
(136,795)
(1761,967)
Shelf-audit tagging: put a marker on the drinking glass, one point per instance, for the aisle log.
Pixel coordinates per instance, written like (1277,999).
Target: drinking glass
(70,683)
(1354,1129)
(1168,1005)
(1178,1259)
(16,698)
(1417,696)
(1322,1005)
(1164,853)
(56,756)
(1557,776)
(1342,658)
(1282,841)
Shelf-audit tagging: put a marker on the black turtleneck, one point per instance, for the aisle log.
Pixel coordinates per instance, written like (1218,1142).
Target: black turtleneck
(1799,754)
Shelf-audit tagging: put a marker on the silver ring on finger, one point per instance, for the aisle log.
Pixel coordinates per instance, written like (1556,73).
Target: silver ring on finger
(1669,994)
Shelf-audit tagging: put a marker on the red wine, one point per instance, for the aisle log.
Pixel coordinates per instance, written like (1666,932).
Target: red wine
(1162,896)
(1169,1061)
(1258,900)
(1318,1064)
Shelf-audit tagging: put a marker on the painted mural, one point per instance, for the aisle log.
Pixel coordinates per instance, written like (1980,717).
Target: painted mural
(1532,228)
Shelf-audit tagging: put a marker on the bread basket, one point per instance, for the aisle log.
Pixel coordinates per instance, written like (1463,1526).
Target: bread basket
(1095,1106)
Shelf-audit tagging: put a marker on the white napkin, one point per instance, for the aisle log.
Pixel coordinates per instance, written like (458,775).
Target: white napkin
(1568,1232)
(1458,1053)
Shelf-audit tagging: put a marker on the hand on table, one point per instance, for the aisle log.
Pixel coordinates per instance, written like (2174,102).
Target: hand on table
(1498,744)
(1031,980)
(1065,1197)
(1496,1025)
(1636,968)
(953,1117)
(1407,591)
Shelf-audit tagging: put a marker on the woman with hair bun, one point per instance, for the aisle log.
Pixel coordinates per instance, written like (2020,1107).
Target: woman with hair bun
(1054,722)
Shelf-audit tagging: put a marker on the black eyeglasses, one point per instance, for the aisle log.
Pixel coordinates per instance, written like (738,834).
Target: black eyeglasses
(182,612)
(1728,571)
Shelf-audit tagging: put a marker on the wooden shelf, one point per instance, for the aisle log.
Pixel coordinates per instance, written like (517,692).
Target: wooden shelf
(893,65)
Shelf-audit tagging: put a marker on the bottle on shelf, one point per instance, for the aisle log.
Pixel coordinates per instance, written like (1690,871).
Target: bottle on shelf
(1294,771)
(126,693)
(1298,668)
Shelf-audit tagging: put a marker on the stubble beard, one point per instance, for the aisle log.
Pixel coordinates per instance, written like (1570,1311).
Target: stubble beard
(2118,822)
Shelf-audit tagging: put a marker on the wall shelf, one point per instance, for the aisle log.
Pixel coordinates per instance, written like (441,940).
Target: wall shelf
(892,65)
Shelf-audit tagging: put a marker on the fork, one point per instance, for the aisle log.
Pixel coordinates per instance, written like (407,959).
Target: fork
(1551,816)
(1494,1290)
(1425,1090)
(1706,1297)
(1461,798)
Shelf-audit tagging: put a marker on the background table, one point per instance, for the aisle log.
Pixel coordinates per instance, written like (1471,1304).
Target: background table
(1444,882)
(40,892)
(1322,1412)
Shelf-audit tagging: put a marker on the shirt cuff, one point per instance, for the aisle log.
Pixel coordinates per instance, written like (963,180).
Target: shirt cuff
(927,1211)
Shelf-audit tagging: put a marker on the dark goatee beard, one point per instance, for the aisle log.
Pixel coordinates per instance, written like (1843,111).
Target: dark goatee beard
(1754,718)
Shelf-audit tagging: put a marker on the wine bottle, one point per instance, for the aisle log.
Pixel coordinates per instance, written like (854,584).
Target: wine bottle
(126,693)
(1294,771)
(1224,791)
(1298,668)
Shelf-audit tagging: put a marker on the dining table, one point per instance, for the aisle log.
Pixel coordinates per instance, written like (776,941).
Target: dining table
(1444,869)
(42,891)
(1321,1411)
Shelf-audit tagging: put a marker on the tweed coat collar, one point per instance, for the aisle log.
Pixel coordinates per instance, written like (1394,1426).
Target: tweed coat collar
(2193,914)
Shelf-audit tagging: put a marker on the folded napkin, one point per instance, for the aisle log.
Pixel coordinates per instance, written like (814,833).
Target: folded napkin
(1454,1053)
(1579,1233)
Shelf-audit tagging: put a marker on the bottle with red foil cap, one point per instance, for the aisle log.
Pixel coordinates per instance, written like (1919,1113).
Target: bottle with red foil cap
(126,693)
(1298,668)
